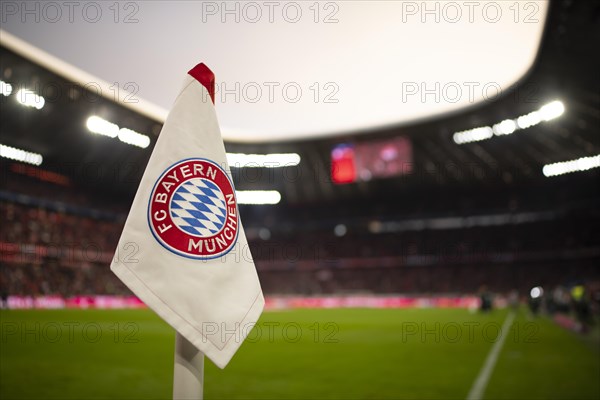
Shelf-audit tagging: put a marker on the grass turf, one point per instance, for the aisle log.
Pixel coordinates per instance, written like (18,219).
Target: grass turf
(335,353)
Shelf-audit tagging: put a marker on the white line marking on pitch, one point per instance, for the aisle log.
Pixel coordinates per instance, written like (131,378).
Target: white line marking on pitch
(476,392)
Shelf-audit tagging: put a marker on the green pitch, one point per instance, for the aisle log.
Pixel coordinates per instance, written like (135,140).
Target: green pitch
(360,353)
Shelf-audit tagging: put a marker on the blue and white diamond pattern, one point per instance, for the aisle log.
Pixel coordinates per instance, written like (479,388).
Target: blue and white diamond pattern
(198,207)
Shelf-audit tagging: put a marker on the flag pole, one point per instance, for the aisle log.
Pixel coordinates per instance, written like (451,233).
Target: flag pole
(188,371)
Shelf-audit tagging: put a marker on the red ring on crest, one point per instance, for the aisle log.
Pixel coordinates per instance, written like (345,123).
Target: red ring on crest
(168,233)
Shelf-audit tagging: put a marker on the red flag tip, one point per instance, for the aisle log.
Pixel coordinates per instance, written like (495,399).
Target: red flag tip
(205,76)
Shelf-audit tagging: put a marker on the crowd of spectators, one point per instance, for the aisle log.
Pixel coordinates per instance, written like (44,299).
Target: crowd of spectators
(56,244)
(40,226)
(48,251)
(51,277)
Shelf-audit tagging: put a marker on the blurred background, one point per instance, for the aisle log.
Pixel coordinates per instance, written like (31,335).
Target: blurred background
(412,200)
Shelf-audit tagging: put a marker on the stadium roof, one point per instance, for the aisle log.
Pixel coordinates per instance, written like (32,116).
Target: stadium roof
(565,70)
(281,75)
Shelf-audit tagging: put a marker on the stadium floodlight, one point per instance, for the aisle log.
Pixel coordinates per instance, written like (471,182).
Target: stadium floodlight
(529,120)
(473,135)
(5,88)
(275,160)
(12,153)
(264,234)
(505,127)
(536,292)
(101,126)
(340,230)
(258,196)
(134,138)
(566,167)
(552,110)
(29,98)
(548,112)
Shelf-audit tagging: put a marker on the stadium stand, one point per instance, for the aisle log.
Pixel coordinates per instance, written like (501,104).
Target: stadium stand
(53,242)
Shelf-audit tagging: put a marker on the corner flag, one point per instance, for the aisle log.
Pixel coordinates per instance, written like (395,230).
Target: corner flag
(183,250)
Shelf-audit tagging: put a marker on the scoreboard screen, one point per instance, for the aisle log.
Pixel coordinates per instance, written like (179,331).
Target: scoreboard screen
(370,160)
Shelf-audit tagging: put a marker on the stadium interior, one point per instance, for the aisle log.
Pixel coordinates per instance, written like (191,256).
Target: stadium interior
(428,209)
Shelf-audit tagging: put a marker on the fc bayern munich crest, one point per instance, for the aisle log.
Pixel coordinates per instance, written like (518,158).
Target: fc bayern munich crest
(192,210)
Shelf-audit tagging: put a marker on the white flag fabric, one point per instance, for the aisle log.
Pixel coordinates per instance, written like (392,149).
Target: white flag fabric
(183,250)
